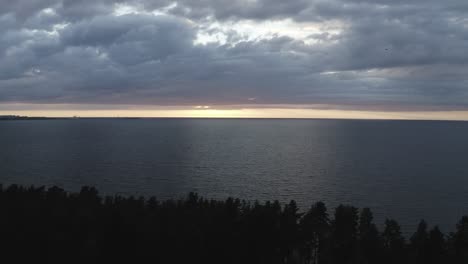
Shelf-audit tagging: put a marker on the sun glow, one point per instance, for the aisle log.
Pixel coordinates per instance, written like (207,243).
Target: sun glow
(205,111)
(202,107)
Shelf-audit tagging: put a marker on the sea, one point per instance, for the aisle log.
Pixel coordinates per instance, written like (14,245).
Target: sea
(404,170)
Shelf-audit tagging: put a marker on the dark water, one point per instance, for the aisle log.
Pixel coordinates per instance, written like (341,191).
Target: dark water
(406,170)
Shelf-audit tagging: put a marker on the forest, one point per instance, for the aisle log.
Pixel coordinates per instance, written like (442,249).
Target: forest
(50,225)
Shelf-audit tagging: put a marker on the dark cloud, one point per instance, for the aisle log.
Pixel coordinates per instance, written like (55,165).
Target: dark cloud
(396,54)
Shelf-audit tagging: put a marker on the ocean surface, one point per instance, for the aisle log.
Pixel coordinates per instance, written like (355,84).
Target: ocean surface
(406,170)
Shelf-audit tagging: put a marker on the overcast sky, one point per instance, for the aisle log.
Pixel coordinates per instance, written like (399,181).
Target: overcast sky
(381,55)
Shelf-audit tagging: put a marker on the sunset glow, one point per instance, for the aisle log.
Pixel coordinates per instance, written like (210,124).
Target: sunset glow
(209,112)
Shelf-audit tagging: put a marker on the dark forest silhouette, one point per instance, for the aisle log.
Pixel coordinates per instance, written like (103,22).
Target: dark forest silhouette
(40,225)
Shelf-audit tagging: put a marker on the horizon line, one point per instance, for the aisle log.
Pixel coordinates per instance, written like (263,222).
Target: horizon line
(19,117)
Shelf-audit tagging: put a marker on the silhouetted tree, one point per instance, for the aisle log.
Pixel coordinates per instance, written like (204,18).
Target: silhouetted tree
(436,247)
(315,229)
(370,244)
(394,243)
(459,242)
(419,244)
(289,230)
(344,235)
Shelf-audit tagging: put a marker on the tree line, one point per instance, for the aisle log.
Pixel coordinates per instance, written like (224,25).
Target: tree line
(50,225)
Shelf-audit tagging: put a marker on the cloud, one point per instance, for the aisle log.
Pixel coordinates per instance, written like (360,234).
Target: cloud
(355,53)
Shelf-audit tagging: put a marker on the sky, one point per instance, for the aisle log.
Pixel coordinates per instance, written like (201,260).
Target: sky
(390,59)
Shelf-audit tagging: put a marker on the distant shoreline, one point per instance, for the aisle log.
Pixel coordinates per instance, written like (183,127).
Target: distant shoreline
(16,118)
(19,118)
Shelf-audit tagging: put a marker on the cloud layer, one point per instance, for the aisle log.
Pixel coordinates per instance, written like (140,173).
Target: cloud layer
(355,54)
